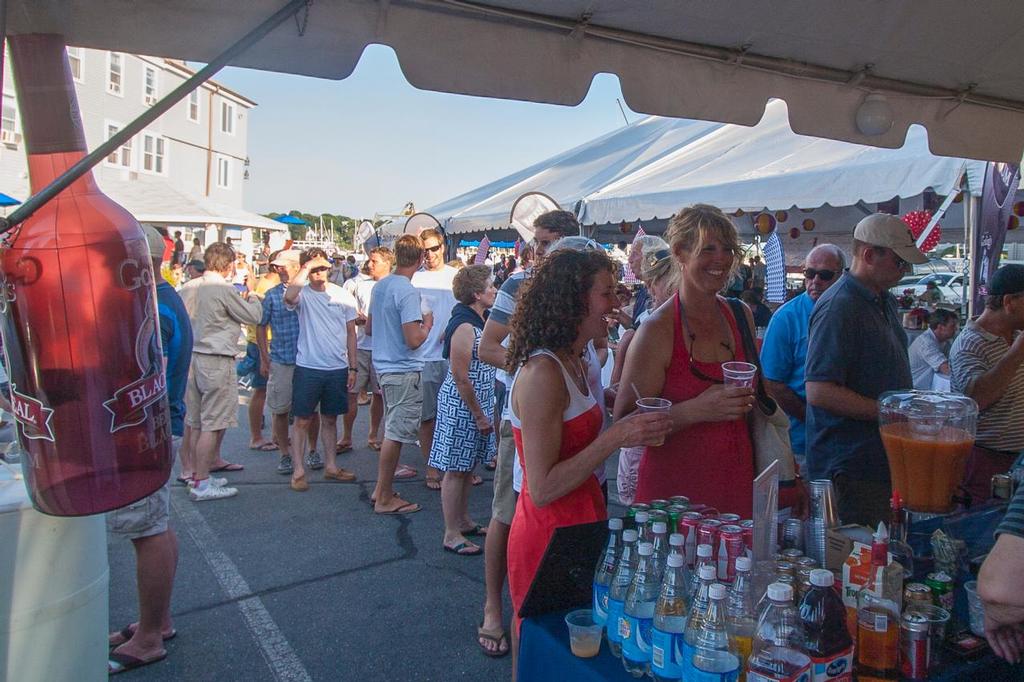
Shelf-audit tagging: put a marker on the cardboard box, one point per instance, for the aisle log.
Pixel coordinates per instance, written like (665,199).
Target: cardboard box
(857,571)
(839,543)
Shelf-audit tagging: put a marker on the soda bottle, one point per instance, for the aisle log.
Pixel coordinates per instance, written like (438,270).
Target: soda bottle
(740,610)
(605,570)
(704,558)
(669,618)
(826,638)
(617,591)
(777,652)
(714,655)
(878,619)
(642,523)
(706,576)
(638,614)
(659,538)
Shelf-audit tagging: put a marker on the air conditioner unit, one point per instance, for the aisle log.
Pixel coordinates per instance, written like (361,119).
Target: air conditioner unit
(150,100)
(9,137)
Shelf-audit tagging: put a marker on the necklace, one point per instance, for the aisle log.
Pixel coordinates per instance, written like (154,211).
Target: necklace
(577,372)
(693,337)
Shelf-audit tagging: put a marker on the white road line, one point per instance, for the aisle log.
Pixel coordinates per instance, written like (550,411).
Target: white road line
(278,653)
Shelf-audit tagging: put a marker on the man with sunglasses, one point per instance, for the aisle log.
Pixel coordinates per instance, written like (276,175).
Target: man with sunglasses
(784,352)
(856,351)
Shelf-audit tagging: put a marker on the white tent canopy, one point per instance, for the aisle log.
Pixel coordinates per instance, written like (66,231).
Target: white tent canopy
(949,65)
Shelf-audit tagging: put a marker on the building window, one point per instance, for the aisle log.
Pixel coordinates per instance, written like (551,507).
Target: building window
(223,172)
(227,117)
(9,121)
(122,156)
(76,58)
(193,106)
(149,85)
(115,73)
(153,153)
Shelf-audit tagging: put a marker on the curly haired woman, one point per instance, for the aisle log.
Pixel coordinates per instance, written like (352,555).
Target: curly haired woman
(556,421)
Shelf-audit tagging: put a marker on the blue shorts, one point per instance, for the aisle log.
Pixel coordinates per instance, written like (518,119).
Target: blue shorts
(252,358)
(327,388)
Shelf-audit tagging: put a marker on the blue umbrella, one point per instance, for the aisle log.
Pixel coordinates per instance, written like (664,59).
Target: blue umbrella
(6,201)
(290,220)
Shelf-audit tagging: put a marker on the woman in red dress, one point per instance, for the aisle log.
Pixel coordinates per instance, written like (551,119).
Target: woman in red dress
(556,421)
(677,354)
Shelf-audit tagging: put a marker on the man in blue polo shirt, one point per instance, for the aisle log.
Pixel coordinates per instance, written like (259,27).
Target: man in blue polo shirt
(784,351)
(856,351)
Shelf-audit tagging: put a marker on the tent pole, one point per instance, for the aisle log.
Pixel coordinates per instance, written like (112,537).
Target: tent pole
(33,203)
(970,232)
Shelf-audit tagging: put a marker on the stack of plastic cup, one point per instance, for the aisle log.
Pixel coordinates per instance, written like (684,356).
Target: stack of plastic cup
(823,516)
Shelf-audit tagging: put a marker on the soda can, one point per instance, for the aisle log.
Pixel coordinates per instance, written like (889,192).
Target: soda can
(732,519)
(675,513)
(806,562)
(792,555)
(707,534)
(730,548)
(657,515)
(918,593)
(783,567)
(748,534)
(915,645)
(660,504)
(709,512)
(1002,487)
(942,589)
(688,524)
(634,508)
(680,499)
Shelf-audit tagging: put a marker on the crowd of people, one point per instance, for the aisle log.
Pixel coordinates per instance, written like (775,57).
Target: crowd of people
(472,373)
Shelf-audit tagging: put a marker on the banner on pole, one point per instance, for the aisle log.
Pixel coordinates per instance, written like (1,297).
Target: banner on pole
(998,192)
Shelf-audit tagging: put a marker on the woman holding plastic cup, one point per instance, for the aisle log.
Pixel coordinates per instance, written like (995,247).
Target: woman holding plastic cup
(678,355)
(556,420)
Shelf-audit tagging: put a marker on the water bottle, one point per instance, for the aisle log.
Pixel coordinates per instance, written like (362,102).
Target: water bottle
(777,653)
(617,591)
(740,609)
(826,638)
(677,545)
(707,575)
(639,614)
(670,617)
(704,553)
(642,523)
(605,570)
(659,538)
(714,655)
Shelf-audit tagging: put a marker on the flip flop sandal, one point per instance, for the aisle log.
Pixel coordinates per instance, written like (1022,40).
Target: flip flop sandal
(477,480)
(457,549)
(184,479)
(230,466)
(127,633)
(265,447)
(476,531)
(495,636)
(407,508)
(300,485)
(373,501)
(404,471)
(373,445)
(339,448)
(119,663)
(432,483)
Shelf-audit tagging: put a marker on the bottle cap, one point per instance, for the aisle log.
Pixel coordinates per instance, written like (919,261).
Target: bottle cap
(822,577)
(676,560)
(704,551)
(659,527)
(646,549)
(743,563)
(716,591)
(615,524)
(780,592)
(629,535)
(707,572)
(676,540)
(641,517)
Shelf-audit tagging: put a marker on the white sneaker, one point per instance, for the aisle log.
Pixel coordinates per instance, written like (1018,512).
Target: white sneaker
(214,481)
(211,493)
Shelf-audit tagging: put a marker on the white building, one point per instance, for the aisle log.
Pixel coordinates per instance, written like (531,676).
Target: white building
(186,171)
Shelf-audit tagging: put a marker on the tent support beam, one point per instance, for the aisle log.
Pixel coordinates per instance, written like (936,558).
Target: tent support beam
(36,201)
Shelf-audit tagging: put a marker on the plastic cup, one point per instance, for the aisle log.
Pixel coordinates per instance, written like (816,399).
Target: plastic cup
(584,633)
(938,624)
(654,405)
(739,374)
(975,608)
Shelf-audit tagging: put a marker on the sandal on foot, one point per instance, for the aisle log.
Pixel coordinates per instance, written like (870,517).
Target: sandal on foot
(300,485)
(229,466)
(266,446)
(373,445)
(475,531)
(497,637)
(127,632)
(341,475)
(477,480)
(339,448)
(405,471)
(432,483)
(464,549)
(407,508)
(118,663)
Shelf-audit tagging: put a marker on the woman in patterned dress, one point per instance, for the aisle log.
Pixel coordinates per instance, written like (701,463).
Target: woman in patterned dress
(464,434)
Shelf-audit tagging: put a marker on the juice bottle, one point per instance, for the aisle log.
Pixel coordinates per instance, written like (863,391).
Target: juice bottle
(706,576)
(617,591)
(638,614)
(605,570)
(740,609)
(669,620)
(878,619)
(777,654)
(826,639)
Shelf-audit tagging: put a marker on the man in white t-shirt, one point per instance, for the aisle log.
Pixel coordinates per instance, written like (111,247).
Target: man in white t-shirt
(323,375)
(434,283)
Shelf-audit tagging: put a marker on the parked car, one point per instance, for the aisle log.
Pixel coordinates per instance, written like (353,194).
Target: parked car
(949,283)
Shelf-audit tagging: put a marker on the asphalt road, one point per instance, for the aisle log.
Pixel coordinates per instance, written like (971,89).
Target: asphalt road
(278,585)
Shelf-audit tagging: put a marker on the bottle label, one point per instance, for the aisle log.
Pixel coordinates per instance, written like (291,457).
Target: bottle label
(836,668)
(600,603)
(637,646)
(664,647)
(614,616)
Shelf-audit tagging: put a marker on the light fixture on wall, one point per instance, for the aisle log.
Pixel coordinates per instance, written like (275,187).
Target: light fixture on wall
(874,115)
(245,175)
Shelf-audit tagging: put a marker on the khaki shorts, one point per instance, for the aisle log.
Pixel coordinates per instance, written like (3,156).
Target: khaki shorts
(147,516)
(279,388)
(211,395)
(433,376)
(503,508)
(403,403)
(366,376)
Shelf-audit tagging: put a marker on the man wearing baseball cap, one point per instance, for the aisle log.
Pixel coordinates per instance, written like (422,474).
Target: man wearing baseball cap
(857,350)
(987,364)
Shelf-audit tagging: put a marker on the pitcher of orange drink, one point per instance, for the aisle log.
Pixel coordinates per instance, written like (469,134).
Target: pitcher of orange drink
(927,437)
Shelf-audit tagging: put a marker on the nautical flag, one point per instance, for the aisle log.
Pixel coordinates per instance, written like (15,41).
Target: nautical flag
(775,266)
(481,252)
(628,278)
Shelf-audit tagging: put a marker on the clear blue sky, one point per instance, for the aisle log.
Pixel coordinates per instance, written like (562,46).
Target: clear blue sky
(372,142)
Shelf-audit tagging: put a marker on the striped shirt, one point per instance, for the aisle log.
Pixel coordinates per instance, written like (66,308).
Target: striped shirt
(1013,522)
(974,352)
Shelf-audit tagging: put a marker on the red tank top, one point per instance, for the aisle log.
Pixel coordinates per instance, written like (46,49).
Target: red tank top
(712,463)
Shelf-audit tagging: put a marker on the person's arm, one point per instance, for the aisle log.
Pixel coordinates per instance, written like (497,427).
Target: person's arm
(1001,586)
(841,400)
(460,359)
(792,404)
(989,386)
(350,339)
(548,477)
(416,333)
(295,284)
(778,361)
(368,329)
(491,351)
(247,310)
(261,343)
(830,362)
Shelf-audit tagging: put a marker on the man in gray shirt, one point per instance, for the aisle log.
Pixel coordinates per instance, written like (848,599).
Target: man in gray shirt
(926,354)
